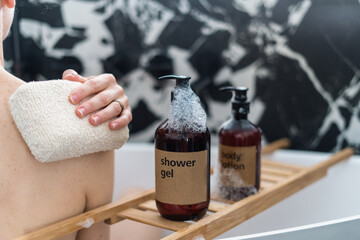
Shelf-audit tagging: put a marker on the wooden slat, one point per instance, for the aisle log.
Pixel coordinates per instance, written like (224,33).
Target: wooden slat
(216,206)
(74,224)
(272,177)
(271,147)
(275,172)
(269,180)
(148,205)
(222,200)
(264,184)
(280,165)
(334,159)
(267,167)
(241,211)
(151,218)
(113,219)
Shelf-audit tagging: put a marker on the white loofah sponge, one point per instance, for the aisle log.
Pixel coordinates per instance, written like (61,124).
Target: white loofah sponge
(47,122)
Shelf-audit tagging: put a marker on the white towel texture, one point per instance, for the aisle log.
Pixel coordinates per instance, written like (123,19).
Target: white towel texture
(47,122)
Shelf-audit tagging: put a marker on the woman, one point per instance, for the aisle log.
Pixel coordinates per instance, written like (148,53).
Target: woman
(33,194)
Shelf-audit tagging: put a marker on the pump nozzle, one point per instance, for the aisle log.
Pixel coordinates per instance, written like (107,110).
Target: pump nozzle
(180,80)
(240,103)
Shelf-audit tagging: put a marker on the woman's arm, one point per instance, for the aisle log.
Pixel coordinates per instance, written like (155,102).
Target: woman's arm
(98,191)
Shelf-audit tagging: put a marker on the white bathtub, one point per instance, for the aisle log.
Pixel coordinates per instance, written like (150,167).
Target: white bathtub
(334,197)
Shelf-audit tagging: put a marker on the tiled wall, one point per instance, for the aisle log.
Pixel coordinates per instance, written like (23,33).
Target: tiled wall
(300,58)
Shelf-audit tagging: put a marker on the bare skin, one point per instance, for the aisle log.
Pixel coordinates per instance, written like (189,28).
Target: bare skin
(34,194)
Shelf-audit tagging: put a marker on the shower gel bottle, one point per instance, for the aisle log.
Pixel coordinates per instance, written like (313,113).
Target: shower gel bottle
(182,157)
(239,150)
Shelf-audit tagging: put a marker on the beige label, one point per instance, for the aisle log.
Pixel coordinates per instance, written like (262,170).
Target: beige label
(237,165)
(181,177)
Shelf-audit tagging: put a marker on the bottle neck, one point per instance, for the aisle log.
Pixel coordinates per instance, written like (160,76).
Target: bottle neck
(240,116)
(182,83)
(240,110)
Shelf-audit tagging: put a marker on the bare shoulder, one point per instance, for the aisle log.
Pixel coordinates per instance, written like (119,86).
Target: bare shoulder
(9,83)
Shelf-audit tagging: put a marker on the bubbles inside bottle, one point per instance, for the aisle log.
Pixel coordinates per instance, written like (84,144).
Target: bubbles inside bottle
(186,112)
(231,186)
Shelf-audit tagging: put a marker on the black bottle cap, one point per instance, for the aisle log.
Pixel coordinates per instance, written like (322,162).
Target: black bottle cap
(239,102)
(180,80)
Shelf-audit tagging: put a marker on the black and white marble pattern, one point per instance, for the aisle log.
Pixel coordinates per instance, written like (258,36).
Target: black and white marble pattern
(300,58)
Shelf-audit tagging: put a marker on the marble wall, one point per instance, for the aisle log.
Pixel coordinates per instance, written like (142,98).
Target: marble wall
(300,58)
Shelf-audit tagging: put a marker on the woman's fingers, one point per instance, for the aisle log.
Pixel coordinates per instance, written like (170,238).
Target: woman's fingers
(97,102)
(72,75)
(121,121)
(92,86)
(114,109)
(106,92)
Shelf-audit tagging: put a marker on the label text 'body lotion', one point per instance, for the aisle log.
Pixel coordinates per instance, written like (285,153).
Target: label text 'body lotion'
(237,165)
(181,177)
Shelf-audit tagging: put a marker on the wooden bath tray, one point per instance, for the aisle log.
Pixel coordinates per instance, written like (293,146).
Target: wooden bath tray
(278,181)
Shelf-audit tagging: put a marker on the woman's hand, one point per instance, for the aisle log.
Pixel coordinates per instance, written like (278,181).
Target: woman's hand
(107,95)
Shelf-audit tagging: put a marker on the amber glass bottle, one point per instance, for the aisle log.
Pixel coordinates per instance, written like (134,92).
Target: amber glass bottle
(239,151)
(182,161)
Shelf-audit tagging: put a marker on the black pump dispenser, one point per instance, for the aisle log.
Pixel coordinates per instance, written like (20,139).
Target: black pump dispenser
(181,81)
(239,102)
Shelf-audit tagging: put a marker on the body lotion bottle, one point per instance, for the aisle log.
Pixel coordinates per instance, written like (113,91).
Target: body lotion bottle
(182,157)
(239,150)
